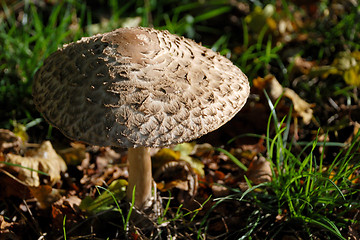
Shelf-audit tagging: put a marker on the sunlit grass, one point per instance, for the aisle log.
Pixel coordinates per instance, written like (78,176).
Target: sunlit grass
(304,192)
(24,46)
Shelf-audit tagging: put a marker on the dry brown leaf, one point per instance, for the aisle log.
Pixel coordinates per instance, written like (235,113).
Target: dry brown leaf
(201,150)
(12,187)
(45,195)
(43,159)
(6,231)
(66,206)
(219,190)
(303,65)
(163,156)
(301,107)
(353,233)
(75,154)
(259,83)
(9,142)
(4,224)
(180,184)
(259,171)
(311,6)
(27,176)
(178,174)
(355,131)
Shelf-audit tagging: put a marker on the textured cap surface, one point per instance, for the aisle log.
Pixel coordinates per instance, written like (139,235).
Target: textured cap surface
(138,87)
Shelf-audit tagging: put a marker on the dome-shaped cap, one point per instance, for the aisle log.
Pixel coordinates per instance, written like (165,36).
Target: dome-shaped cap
(138,87)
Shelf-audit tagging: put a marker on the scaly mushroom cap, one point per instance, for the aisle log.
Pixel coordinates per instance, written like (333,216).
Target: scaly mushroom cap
(138,87)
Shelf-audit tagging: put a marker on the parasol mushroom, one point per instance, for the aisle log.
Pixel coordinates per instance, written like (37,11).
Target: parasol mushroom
(138,88)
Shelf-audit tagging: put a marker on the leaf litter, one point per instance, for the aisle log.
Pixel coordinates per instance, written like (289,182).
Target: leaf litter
(59,195)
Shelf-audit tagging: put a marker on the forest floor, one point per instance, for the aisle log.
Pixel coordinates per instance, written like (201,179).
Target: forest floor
(285,167)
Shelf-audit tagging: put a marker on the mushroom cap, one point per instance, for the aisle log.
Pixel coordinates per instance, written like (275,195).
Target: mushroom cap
(138,87)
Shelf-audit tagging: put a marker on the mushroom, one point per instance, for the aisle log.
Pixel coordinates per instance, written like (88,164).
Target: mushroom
(138,88)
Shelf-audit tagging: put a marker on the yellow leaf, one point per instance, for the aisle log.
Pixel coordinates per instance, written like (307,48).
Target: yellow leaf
(163,156)
(185,150)
(352,76)
(301,107)
(44,159)
(20,131)
(347,64)
(271,23)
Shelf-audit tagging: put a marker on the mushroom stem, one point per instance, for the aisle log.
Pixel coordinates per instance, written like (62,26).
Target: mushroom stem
(140,176)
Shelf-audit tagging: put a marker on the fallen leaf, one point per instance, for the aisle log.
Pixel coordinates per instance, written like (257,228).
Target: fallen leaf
(347,64)
(46,195)
(4,224)
(20,131)
(353,232)
(6,230)
(303,65)
(11,186)
(180,184)
(105,201)
(75,154)
(42,160)
(260,83)
(219,190)
(179,152)
(301,107)
(259,171)
(203,150)
(186,149)
(9,142)
(28,168)
(176,174)
(354,133)
(311,6)
(163,156)
(66,206)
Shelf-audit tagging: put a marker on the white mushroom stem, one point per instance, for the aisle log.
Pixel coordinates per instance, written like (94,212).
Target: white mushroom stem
(140,176)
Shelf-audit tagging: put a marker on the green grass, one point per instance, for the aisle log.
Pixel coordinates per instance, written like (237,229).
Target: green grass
(312,199)
(24,47)
(111,200)
(310,191)
(334,36)
(64,228)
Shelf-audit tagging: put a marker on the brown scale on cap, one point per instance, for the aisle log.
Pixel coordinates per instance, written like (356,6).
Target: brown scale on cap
(138,87)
